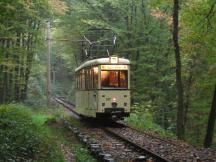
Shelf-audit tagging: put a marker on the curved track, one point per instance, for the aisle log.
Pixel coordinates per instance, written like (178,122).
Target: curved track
(145,146)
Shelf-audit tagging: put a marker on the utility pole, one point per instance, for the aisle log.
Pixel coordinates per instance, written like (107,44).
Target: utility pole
(48,38)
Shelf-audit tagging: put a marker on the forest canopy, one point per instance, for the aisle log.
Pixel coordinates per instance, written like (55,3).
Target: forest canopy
(144,31)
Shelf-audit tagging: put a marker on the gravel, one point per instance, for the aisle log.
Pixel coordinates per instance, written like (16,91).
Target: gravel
(175,151)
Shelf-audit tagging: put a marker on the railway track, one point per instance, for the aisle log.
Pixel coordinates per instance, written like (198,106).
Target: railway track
(154,156)
(123,143)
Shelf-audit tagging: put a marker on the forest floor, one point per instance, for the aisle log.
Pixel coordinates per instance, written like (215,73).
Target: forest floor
(71,148)
(38,134)
(47,134)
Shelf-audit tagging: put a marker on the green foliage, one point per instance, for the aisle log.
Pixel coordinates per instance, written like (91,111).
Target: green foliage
(82,154)
(144,120)
(63,134)
(144,35)
(21,23)
(22,139)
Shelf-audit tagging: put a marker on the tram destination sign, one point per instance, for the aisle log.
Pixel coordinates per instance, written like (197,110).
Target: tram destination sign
(114,67)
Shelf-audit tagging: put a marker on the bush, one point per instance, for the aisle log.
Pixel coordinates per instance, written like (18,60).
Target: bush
(144,121)
(20,139)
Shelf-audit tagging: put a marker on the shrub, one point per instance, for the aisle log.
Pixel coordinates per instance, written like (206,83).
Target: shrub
(20,139)
(144,121)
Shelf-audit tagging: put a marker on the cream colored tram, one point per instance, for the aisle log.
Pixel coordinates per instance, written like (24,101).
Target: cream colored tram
(103,88)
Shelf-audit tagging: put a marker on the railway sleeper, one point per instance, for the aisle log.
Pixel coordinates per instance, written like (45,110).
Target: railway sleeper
(95,148)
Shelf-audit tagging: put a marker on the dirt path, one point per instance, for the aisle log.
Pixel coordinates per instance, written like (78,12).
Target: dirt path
(68,155)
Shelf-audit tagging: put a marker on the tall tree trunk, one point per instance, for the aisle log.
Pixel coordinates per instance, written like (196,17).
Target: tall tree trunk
(211,122)
(187,101)
(180,100)
(6,74)
(17,68)
(1,70)
(29,61)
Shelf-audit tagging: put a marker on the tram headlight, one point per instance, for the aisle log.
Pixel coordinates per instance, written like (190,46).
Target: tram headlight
(114,99)
(114,102)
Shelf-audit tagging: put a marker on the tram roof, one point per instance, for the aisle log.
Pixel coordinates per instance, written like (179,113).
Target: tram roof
(102,61)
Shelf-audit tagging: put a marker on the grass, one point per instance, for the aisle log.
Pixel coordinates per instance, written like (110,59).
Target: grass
(56,129)
(36,135)
(65,137)
(22,138)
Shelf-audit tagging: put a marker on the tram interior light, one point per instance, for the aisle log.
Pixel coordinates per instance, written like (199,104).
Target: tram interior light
(95,70)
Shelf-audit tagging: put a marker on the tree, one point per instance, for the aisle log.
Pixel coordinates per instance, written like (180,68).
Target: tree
(180,93)
(19,35)
(211,122)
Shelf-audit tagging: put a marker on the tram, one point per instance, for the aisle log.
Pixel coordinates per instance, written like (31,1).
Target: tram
(103,88)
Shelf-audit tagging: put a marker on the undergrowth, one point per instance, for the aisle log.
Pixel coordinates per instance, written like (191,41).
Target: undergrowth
(66,137)
(144,121)
(23,137)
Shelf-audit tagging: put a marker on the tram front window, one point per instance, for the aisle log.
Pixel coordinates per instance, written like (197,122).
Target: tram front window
(114,79)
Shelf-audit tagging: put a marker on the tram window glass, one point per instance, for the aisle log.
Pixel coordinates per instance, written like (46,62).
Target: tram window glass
(123,79)
(90,78)
(77,81)
(86,79)
(83,80)
(114,79)
(95,77)
(81,84)
(80,79)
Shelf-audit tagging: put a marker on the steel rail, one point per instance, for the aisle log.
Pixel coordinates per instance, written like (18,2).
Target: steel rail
(154,155)
(148,134)
(69,106)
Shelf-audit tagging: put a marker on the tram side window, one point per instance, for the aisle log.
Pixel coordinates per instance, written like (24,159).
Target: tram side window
(86,79)
(80,80)
(79,77)
(83,80)
(87,75)
(91,79)
(77,80)
(95,77)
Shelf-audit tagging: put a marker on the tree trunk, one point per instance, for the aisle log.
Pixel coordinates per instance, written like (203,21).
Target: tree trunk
(211,123)
(1,71)
(180,100)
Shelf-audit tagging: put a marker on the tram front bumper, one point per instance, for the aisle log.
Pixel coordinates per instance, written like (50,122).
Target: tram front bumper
(109,112)
(114,110)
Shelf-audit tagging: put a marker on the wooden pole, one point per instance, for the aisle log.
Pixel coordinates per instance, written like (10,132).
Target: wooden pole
(48,91)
